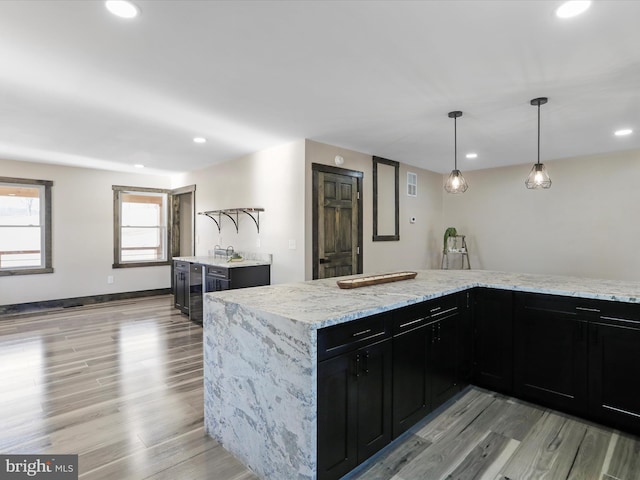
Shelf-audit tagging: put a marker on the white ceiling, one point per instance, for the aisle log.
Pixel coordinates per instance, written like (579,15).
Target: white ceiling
(79,86)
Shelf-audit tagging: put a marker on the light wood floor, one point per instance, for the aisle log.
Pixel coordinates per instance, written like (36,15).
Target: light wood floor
(118,383)
(121,385)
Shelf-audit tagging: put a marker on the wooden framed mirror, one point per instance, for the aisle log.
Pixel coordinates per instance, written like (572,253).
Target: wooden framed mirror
(386,200)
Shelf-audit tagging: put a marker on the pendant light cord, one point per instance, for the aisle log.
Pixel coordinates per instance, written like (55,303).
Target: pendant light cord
(455,143)
(538,133)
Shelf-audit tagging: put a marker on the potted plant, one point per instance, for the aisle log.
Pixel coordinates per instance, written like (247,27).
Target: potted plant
(448,233)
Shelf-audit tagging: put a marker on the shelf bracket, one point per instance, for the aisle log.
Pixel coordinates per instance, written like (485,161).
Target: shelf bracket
(255,219)
(227,213)
(210,215)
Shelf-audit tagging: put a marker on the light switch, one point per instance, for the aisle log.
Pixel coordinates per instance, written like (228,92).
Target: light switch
(292,244)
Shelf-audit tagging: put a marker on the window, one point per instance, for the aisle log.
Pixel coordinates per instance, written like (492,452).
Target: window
(25,226)
(140,227)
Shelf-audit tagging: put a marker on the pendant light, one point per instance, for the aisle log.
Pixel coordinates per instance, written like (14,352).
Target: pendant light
(538,176)
(456,182)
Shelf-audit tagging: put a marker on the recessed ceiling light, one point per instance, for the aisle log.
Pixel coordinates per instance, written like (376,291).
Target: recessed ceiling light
(623,132)
(200,140)
(139,165)
(122,8)
(572,8)
(471,155)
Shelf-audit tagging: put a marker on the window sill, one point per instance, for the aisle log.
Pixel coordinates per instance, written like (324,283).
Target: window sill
(25,271)
(141,264)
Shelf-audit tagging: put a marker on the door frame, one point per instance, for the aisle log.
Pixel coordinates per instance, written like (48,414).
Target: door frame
(317,168)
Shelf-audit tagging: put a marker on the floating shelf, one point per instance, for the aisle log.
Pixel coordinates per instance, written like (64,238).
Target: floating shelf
(234,212)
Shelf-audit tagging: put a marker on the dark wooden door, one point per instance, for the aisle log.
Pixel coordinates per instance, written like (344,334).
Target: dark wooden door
(614,363)
(411,384)
(550,355)
(374,398)
(443,359)
(493,347)
(337,232)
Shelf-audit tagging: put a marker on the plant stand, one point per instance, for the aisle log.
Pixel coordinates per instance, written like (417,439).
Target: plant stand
(455,253)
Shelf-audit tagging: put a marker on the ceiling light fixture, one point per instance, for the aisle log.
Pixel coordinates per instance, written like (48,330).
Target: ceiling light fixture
(538,176)
(456,182)
(122,8)
(471,155)
(200,140)
(572,8)
(623,132)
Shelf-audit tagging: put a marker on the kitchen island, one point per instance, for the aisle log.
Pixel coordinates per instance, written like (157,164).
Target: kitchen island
(261,353)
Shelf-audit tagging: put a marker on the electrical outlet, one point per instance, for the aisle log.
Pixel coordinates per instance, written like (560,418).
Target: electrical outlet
(292,244)
(110,279)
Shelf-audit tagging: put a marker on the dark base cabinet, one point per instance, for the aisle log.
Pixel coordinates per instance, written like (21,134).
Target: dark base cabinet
(493,345)
(614,364)
(379,376)
(181,286)
(354,395)
(550,354)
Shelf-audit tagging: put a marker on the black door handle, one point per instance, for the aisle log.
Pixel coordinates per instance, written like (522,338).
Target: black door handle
(325,260)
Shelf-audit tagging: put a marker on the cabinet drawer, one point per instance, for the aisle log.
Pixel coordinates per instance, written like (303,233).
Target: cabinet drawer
(443,307)
(351,335)
(620,314)
(558,304)
(181,265)
(218,272)
(414,316)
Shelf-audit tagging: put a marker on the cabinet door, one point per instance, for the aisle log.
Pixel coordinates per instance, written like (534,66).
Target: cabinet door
(465,339)
(443,362)
(411,386)
(493,347)
(374,398)
(337,421)
(550,363)
(178,290)
(614,360)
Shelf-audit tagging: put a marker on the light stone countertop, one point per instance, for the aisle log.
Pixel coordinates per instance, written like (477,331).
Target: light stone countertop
(322,303)
(221,262)
(260,353)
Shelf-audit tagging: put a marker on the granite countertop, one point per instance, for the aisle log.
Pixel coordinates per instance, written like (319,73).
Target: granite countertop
(321,303)
(221,262)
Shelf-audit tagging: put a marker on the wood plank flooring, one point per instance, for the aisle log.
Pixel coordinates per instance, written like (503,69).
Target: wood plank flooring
(118,383)
(487,436)
(121,385)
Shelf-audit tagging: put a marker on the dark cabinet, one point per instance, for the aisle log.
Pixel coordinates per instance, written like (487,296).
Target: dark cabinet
(196,278)
(219,278)
(425,359)
(614,364)
(181,286)
(354,394)
(493,339)
(550,354)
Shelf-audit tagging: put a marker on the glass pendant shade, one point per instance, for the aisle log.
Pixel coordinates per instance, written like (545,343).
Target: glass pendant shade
(538,177)
(456,183)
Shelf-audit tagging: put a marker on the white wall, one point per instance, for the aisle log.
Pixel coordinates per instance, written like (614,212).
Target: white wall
(587,224)
(418,247)
(272,179)
(82,236)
